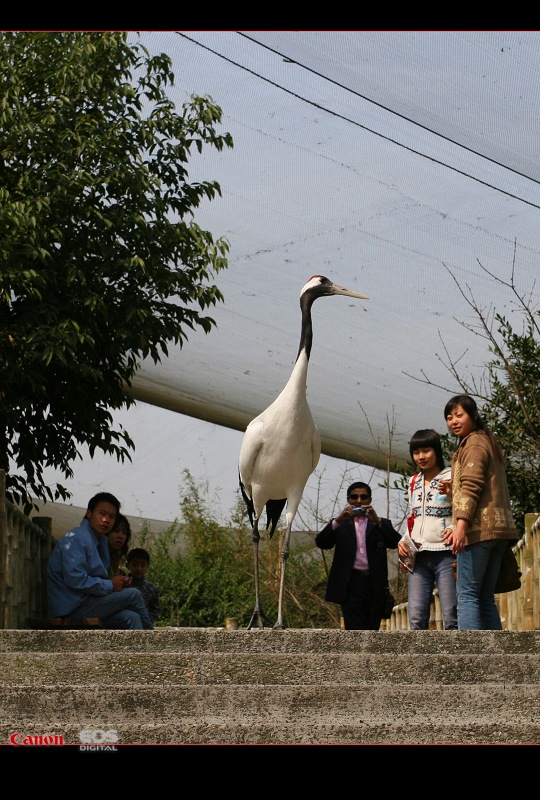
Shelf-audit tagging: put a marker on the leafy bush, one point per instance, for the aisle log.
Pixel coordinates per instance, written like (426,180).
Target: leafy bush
(206,571)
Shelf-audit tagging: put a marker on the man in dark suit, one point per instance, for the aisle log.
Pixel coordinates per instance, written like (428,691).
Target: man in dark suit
(359,573)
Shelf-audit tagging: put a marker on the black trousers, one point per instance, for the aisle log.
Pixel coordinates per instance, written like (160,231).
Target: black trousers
(361,609)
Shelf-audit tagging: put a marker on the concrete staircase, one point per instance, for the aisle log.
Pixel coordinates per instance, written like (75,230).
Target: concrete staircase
(213,686)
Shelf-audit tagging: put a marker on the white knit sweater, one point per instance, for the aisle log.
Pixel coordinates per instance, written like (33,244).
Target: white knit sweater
(431,510)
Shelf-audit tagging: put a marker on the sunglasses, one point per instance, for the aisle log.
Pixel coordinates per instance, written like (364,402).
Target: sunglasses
(360,497)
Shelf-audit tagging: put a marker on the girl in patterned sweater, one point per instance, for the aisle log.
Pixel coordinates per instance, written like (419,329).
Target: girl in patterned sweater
(431,516)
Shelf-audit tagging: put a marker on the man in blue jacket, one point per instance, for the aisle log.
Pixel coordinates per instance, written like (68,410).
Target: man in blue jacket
(359,573)
(77,574)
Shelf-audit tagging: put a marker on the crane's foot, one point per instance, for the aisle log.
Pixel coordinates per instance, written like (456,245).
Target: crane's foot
(279,626)
(259,617)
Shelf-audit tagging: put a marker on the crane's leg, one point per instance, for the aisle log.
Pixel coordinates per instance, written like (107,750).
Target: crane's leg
(258,615)
(279,626)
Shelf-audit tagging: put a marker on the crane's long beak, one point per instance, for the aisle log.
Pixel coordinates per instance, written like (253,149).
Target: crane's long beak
(336,289)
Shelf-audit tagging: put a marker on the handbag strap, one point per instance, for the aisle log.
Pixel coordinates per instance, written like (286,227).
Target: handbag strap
(410,518)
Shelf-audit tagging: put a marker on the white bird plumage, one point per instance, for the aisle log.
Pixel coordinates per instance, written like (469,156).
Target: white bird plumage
(281,447)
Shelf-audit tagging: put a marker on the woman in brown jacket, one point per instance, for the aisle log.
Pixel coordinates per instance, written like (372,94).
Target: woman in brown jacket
(483,526)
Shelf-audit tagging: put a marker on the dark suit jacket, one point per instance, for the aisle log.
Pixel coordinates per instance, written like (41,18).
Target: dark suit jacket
(343,538)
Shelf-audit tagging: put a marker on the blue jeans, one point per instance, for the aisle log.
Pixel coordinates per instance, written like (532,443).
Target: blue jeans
(124,610)
(430,568)
(478,568)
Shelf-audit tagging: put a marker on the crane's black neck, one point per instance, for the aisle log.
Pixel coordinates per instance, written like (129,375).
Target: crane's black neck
(306,334)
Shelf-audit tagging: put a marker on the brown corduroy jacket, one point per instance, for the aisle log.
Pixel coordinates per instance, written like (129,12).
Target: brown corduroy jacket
(480,491)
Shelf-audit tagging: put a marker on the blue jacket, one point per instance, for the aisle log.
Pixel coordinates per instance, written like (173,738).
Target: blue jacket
(77,568)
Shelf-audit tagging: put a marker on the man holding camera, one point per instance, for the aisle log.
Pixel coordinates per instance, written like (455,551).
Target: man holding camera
(359,573)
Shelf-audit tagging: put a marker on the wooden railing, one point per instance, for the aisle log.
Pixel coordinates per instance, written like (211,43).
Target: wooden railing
(25,546)
(519,610)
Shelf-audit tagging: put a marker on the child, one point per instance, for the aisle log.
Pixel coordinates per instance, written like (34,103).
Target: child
(118,544)
(432,516)
(138,561)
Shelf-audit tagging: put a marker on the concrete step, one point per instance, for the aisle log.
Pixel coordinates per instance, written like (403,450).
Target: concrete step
(231,732)
(316,640)
(210,686)
(282,669)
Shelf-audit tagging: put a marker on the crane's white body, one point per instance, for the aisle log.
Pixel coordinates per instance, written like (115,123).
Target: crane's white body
(282,446)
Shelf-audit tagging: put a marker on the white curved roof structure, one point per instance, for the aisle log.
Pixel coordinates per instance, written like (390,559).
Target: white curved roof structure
(384,160)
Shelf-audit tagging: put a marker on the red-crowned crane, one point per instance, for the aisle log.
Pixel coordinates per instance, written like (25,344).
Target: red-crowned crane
(281,448)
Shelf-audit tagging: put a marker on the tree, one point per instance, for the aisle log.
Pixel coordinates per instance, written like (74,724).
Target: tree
(102,263)
(507,388)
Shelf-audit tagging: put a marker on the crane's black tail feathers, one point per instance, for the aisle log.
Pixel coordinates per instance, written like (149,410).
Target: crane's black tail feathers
(274,509)
(248,501)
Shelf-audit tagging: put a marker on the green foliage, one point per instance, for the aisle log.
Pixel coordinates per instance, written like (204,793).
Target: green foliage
(102,263)
(201,584)
(512,411)
(205,572)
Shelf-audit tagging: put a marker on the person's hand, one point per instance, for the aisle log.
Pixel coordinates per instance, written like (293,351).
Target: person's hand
(346,514)
(403,550)
(457,537)
(120,582)
(445,487)
(372,514)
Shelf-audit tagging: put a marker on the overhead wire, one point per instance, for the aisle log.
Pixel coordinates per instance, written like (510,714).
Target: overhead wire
(326,110)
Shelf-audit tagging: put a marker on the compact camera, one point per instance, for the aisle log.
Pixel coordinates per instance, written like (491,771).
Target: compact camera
(358,511)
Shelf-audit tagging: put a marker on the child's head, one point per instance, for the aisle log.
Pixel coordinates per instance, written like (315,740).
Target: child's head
(426,439)
(138,561)
(120,535)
